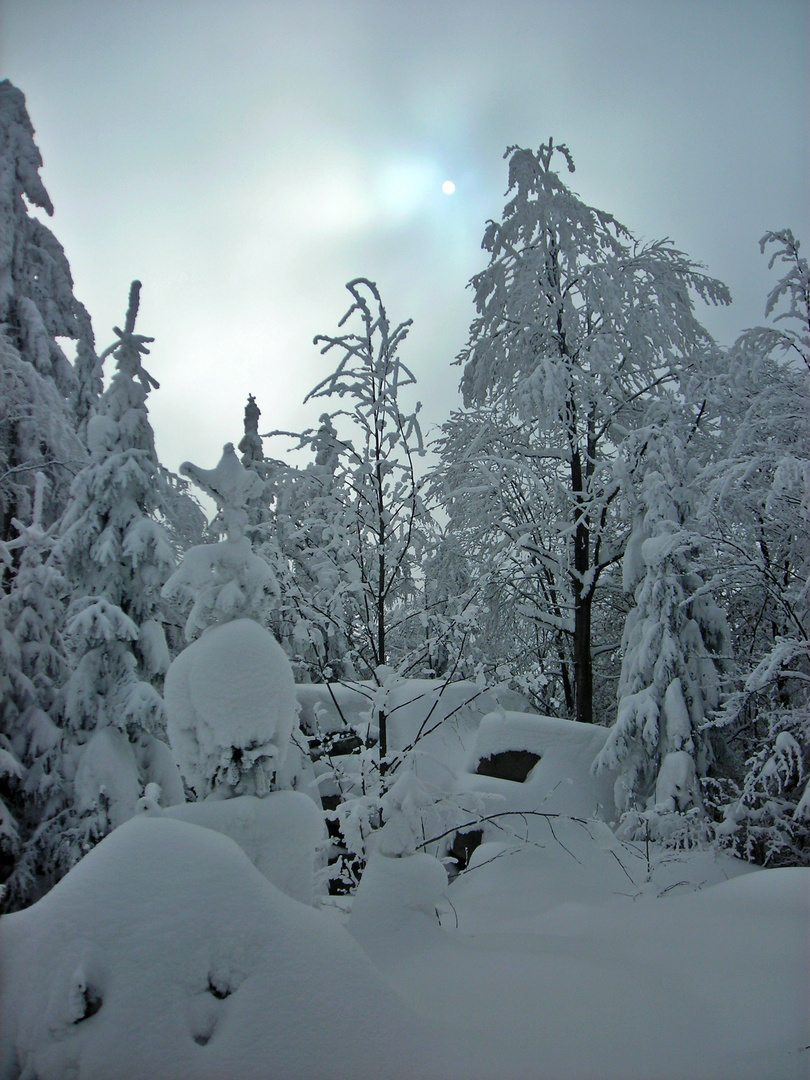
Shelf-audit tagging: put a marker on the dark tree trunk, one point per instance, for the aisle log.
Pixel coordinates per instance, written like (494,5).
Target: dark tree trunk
(583,662)
(583,598)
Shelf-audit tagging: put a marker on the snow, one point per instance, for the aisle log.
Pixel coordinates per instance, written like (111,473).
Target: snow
(398,898)
(560,782)
(198,967)
(656,989)
(280,834)
(112,772)
(441,717)
(107,771)
(561,952)
(676,787)
(231,706)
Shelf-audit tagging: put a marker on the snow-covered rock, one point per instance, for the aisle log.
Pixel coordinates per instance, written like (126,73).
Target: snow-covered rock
(561,780)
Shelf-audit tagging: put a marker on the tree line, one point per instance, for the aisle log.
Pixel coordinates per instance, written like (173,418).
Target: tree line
(615,526)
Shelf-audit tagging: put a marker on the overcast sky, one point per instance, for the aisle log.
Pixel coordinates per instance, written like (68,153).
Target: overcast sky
(246,159)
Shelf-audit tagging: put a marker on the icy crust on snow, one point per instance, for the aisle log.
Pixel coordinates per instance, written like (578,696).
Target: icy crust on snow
(231,705)
(561,781)
(165,954)
(279,833)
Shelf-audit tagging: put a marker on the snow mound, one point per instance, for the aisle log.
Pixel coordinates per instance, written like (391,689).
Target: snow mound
(231,705)
(279,834)
(398,898)
(165,954)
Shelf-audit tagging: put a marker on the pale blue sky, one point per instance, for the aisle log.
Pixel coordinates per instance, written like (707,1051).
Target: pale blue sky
(246,159)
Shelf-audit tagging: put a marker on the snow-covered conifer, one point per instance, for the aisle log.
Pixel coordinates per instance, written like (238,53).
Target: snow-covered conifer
(321,594)
(36,288)
(251,442)
(758,516)
(230,695)
(35,663)
(110,543)
(116,557)
(37,434)
(224,580)
(37,307)
(232,711)
(674,644)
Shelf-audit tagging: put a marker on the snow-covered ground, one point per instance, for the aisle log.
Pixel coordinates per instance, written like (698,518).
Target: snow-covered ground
(171,952)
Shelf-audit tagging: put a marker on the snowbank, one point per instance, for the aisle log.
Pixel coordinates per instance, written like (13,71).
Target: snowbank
(165,954)
(554,967)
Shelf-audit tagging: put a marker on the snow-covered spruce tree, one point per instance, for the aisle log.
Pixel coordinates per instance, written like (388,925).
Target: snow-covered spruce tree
(320,613)
(43,398)
(35,664)
(759,521)
(230,695)
(674,647)
(250,444)
(224,580)
(277,508)
(579,328)
(116,557)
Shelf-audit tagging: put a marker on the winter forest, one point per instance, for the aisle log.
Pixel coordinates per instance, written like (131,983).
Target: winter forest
(478,755)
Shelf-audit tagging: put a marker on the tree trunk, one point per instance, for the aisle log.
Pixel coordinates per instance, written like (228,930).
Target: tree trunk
(583,597)
(583,662)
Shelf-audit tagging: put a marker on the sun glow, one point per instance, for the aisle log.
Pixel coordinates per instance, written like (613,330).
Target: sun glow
(448,187)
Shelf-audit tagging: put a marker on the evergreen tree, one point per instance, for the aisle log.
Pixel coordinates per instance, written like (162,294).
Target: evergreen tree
(320,612)
(674,641)
(230,694)
(116,557)
(44,399)
(224,580)
(758,517)
(35,662)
